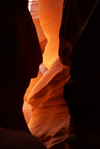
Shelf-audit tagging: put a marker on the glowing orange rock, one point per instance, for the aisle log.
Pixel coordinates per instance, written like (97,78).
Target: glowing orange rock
(49,18)
(50,116)
(50,13)
(33,7)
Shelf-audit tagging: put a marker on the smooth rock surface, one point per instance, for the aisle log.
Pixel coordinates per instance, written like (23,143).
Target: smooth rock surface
(50,116)
(50,14)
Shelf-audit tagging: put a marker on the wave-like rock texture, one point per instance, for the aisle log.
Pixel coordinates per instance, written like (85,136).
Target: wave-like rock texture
(45,110)
(50,116)
(47,24)
(34,8)
(50,13)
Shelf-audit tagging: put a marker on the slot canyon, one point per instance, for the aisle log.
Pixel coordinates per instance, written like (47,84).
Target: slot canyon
(49,74)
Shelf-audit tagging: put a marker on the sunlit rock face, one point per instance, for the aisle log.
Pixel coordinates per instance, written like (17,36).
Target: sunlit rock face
(50,116)
(33,7)
(50,13)
(47,18)
(45,110)
(47,24)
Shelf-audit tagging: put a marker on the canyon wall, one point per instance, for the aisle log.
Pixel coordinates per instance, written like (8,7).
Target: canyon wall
(45,110)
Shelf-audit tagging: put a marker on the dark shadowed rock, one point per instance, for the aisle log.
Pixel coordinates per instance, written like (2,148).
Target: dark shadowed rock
(18,140)
(82,90)
(20,56)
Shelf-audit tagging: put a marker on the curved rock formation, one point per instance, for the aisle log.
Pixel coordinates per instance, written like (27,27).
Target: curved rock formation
(34,8)
(50,116)
(48,108)
(50,13)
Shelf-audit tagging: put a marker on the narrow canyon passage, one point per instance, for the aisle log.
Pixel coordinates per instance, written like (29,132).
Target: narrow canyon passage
(44,104)
(45,97)
(49,74)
